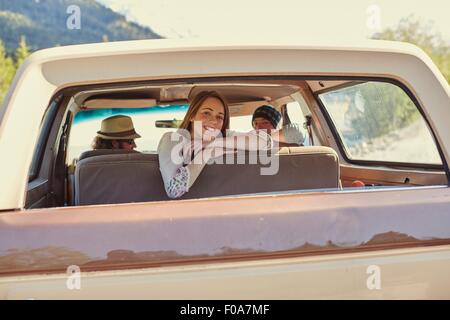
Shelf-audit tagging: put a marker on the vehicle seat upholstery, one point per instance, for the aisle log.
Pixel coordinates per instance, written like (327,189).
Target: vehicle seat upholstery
(118,178)
(135,177)
(84,155)
(300,168)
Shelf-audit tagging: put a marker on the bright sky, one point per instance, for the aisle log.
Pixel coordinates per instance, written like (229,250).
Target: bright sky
(237,18)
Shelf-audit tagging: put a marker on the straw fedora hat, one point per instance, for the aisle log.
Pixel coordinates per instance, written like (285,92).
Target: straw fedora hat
(117,127)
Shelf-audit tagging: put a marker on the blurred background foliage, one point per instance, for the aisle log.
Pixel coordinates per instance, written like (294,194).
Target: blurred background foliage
(386,108)
(10,63)
(418,32)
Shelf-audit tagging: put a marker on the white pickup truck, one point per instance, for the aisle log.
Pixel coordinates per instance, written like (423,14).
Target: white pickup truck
(360,210)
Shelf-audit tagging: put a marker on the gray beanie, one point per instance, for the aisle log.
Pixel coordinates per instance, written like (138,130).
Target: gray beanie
(269,113)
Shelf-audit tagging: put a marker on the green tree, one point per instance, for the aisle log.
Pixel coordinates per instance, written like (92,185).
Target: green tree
(417,32)
(7,71)
(22,52)
(387,108)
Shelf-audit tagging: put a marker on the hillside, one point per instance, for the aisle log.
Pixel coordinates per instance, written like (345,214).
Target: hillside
(44,24)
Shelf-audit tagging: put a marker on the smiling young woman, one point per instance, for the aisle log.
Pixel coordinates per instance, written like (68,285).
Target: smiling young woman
(211,109)
(205,126)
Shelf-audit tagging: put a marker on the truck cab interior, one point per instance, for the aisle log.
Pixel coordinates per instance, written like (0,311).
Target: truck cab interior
(355,130)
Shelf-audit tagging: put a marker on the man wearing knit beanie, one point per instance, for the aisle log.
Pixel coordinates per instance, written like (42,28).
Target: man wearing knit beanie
(267,118)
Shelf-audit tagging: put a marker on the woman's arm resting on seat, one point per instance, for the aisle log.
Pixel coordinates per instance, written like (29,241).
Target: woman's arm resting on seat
(251,141)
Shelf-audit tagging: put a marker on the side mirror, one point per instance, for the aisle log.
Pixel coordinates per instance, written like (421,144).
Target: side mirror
(168,123)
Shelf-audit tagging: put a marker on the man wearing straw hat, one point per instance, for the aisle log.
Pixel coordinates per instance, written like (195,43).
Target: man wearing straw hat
(117,132)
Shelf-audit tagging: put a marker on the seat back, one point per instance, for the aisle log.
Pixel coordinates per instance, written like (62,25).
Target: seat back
(135,177)
(118,178)
(299,168)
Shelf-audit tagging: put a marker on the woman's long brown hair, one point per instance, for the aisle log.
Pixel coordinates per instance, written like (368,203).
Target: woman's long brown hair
(195,105)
